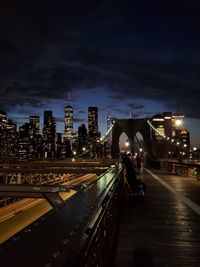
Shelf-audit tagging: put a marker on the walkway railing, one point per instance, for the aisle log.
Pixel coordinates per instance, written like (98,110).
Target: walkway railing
(78,233)
(182,169)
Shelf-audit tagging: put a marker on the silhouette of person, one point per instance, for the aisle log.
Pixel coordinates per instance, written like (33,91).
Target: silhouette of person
(130,172)
(138,164)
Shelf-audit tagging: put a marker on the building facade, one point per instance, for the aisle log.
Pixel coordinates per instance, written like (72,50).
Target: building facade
(49,134)
(69,122)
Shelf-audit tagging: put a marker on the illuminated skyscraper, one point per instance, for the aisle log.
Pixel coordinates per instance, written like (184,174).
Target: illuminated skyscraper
(35,145)
(49,134)
(35,122)
(92,121)
(69,120)
(24,142)
(8,139)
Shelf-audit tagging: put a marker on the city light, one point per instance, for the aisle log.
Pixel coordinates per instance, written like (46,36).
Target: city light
(178,122)
(127,144)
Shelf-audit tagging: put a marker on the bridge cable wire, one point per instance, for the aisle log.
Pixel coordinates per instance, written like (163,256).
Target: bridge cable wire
(99,141)
(168,139)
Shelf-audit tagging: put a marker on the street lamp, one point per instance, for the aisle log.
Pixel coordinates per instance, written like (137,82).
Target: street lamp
(127,144)
(178,122)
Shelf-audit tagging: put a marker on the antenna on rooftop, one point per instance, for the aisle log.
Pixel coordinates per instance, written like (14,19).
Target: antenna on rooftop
(69,98)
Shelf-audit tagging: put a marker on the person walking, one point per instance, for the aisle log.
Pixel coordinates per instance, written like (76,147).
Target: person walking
(130,165)
(138,164)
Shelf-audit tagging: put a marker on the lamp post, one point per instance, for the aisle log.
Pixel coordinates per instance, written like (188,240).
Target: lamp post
(127,144)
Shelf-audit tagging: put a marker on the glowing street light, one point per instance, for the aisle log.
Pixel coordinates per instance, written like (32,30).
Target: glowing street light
(178,122)
(127,144)
(194,148)
(83,148)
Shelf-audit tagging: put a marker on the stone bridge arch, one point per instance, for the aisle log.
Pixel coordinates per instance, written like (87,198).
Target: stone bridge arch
(130,127)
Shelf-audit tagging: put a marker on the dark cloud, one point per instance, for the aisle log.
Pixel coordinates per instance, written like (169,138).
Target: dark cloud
(129,51)
(135,106)
(121,111)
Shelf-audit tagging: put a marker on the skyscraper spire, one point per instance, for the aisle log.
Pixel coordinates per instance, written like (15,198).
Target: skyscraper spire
(69,98)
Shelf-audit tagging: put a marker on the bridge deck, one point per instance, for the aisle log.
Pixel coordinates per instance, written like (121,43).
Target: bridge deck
(167,231)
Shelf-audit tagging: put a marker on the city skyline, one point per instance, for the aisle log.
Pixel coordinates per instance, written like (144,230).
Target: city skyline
(60,126)
(125,58)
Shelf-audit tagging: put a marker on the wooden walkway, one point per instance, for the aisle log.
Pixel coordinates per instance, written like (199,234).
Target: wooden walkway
(167,232)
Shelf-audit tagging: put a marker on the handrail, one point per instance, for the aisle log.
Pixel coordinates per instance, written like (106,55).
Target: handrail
(189,170)
(67,234)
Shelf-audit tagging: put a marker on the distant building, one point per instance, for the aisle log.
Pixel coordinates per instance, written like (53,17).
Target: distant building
(184,136)
(177,123)
(92,121)
(35,122)
(49,134)
(24,142)
(82,138)
(69,120)
(93,133)
(8,139)
(169,126)
(158,122)
(35,145)
(59,145)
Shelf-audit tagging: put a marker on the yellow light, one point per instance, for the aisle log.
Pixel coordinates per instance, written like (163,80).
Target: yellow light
(178,122)
(126,144)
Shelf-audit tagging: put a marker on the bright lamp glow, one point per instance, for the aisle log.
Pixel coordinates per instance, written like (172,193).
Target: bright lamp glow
(126,144)
(178,122)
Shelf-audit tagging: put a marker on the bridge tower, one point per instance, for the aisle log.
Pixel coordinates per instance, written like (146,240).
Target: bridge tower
(130,127)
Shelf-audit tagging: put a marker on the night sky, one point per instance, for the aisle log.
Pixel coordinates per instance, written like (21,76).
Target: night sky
(118,55)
